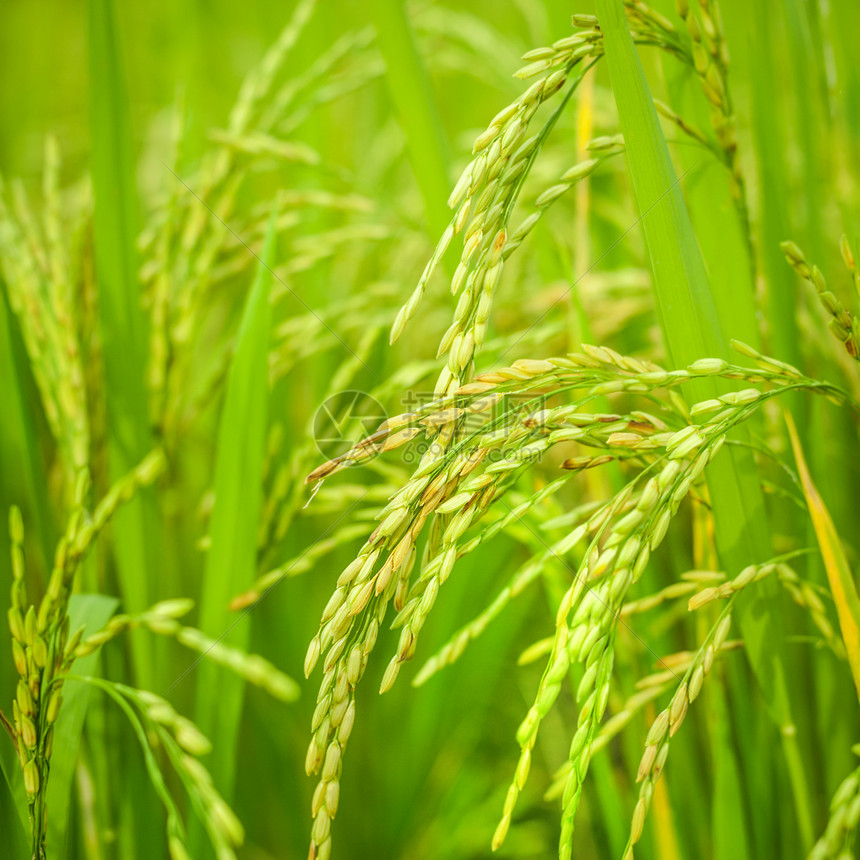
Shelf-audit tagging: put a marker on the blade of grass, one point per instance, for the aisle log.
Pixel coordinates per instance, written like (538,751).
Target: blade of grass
(416,108)
(779,203)
(12,821)
(812,108)
(727,808)
(838,570)
(665,835)
(719,228)
(14,817)
(121,317)
(20,429)
(774,221)
(122,326)
(609,799)
(231,559)
(94,611)
(720,231)
(692,329)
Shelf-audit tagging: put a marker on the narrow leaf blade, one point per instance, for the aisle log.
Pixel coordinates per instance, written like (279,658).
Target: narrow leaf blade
(121,317)
(416,108)
(93,611)
(693,329)
(839,574)
(231,560)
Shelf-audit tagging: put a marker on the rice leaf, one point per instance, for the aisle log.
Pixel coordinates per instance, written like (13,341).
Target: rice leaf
(93,611)
(22,456)
(839,573)
(416,108)
(231,560)
(767,126)
(729,816)
(692,329)
(12,820)
(687,311)
(688,315)
(122,322)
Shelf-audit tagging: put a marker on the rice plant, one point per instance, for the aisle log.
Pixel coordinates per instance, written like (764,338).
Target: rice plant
(240,399)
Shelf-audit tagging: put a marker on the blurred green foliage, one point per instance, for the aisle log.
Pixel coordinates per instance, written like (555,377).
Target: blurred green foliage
(376,132)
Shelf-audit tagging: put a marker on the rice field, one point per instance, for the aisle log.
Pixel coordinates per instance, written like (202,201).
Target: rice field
(429,430)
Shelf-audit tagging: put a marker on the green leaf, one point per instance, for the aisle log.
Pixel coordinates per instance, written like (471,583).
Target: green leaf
(231,559)
(688,314)
(839,573)
(21,460)
(121,317)
(692,329)
(416,108)
(768,126)
(13,818)
(729,815)
(93,611)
